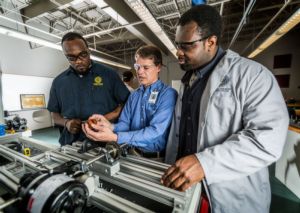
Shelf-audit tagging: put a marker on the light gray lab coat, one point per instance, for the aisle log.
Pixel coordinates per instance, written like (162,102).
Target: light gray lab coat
(243,124)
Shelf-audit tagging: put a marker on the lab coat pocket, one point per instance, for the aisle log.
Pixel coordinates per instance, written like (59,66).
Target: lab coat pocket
(222,108)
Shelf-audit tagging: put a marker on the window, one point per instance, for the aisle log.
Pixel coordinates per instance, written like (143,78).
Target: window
(283,80)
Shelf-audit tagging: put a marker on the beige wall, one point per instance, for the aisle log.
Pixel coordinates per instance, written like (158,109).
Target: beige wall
(288,44)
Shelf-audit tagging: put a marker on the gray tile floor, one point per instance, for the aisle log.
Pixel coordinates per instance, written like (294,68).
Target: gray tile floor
(283,200)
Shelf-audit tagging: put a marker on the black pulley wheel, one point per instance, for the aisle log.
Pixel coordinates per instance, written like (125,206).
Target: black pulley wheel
(54,193)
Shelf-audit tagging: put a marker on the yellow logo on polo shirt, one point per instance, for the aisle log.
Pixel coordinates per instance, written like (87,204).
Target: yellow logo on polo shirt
(98,81)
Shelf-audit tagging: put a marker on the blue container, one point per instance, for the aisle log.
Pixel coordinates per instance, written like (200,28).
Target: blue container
(2,129)
(198,2)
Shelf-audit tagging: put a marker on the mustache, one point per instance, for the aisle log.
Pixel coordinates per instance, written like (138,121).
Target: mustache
(186,66)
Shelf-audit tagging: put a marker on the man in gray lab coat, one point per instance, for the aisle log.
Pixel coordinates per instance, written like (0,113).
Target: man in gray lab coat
(230,120)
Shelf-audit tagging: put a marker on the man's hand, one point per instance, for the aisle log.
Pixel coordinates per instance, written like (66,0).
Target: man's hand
(101,121)
(73,126)
(183,174)
(99,131)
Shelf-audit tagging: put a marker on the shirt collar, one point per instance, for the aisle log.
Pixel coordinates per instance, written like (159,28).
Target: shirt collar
(155,86)
(205,69)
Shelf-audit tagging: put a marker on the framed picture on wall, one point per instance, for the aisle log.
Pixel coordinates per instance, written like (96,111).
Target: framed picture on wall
(282,61)
(283,80)
(32,101)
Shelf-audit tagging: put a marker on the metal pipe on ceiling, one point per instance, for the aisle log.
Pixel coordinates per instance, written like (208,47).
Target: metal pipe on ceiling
(78,16)
(266,26)
(219,2)
(40,22)
(28,26)
(112,29)
(221,8)
(50,34)
(242,22)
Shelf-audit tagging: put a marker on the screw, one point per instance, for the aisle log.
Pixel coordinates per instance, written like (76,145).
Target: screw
(179,206)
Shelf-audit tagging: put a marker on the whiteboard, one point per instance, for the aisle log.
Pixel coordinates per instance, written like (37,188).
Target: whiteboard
(15,85)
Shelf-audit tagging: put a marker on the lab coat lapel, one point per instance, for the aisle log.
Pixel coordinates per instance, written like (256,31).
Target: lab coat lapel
(214,81)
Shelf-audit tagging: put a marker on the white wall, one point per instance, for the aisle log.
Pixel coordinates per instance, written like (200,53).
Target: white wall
(27,70)
(172,70)
(14,85)
(288,44)
(17,56)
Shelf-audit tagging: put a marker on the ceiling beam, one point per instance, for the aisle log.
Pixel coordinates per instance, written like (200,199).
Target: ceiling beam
(40,7)
(123,9)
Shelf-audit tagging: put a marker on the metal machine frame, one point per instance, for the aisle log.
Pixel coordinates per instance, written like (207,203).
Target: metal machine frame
(114,181)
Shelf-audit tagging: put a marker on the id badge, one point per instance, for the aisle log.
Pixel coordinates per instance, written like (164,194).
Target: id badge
(153,97)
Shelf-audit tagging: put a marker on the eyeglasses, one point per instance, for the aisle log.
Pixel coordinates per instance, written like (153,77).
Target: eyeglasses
(82,55)
(137,67)
(185,46)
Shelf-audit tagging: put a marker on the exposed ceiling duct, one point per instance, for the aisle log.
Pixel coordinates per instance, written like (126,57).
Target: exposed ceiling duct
(114,30)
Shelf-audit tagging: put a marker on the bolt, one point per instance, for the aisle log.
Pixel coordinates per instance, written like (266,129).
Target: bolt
(179,206)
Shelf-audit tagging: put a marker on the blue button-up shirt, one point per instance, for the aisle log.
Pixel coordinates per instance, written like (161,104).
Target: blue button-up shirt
(144,123)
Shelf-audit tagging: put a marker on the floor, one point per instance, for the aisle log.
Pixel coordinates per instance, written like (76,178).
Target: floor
(283,200)
(48,135)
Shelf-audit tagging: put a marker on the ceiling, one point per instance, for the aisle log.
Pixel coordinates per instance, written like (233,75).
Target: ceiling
(114,31)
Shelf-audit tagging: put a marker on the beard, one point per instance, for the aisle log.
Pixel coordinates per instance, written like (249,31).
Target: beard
(83,70)
(186,67)
(185,64)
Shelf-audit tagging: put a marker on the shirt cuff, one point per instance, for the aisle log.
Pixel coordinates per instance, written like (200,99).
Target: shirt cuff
(121,139)
(205,166)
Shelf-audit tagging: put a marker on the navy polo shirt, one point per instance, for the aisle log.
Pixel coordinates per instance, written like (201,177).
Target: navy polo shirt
(79,96)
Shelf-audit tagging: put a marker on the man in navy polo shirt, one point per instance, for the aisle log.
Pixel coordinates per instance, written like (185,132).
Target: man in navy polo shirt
(145,120)
(85,88)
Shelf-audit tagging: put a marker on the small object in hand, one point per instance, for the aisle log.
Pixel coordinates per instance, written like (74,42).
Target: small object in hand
(91,121)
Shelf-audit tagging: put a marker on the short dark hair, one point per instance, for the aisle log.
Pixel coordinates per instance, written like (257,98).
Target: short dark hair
(149,51)
(127,76)
(72,36)
(208,19)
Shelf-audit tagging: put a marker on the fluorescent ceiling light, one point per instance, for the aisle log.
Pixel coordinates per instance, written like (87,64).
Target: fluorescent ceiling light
(106,61)
(145,15)
(74,2)
(288,25)
(26,37)
(99,3)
